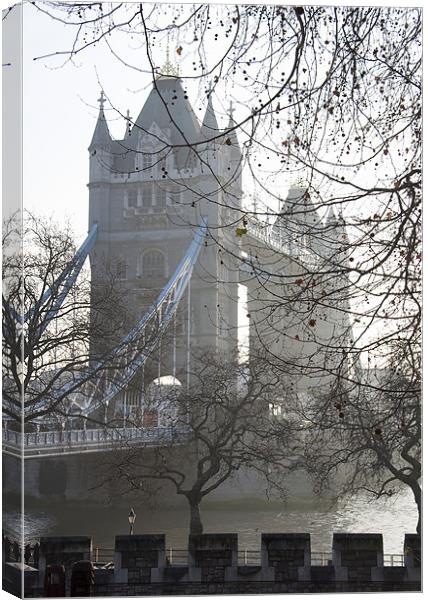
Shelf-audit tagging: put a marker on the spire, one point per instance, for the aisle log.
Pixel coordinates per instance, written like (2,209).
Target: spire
(335,237)
(168,69)
(209,124)
(336,223)
(331,218)
(101,134)
(128,124)
(232,136)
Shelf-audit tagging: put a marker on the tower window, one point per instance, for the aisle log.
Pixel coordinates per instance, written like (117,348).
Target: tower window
(153,264)
(132,198)
(146,198)
(147,162)
(191,160)
(161,199)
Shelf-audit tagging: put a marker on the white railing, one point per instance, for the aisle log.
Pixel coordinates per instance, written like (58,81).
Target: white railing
(245,557)
(86,437)
(265,233)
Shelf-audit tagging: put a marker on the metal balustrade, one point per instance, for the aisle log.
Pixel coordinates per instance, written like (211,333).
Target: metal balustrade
(81,440)
(266,234)
(179,556)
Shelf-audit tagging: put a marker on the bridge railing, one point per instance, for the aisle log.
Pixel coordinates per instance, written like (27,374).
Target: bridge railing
(265,233)
(105,436)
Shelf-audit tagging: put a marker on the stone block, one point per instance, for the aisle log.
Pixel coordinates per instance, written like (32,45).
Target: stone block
(358,557)
(289,554)
(213,557)
(322,573)
(394,574)
(139,558)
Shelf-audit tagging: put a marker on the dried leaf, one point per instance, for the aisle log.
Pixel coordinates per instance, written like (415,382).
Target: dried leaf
(240,231)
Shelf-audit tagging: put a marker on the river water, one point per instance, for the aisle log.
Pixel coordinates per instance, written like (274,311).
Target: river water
(393,517)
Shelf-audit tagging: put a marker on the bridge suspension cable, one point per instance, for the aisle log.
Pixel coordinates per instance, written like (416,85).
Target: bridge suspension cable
(110,375)
(62,285)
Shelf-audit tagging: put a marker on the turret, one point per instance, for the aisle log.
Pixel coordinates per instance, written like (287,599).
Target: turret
(335,239)
(209,129)
(298,224)
(233,162)
(100,148)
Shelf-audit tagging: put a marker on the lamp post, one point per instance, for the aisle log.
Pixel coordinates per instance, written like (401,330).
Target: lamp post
(131,518)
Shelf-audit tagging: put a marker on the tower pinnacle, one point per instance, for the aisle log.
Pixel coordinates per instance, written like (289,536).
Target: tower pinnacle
(168,69)
(102,100)
(101,134)
(209,124)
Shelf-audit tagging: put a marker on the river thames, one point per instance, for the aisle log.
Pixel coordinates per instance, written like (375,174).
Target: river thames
(393,517)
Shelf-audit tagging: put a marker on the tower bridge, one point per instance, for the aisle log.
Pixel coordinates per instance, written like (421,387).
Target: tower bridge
(165,207)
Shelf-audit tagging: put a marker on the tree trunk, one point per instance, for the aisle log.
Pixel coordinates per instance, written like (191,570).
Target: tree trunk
(418,499)
(195,516)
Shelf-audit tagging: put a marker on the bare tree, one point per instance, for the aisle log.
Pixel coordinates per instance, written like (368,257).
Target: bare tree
(51,317)
(362,439)
(219,426)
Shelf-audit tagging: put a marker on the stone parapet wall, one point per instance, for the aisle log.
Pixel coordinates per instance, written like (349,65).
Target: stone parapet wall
(243,588)
(141,566)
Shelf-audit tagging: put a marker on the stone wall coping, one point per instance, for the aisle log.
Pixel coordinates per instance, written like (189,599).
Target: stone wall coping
(139,543)
(356,537)
(213,540)
(291,536)
(68,539)
(213,536)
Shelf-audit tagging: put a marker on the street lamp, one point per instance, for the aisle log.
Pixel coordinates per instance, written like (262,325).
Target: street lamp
(131,518)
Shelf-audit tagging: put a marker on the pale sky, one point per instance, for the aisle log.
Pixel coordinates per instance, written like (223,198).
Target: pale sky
(60,109)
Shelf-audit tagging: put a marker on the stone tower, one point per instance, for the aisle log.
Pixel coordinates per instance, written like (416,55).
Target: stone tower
(298,298)
(148,193)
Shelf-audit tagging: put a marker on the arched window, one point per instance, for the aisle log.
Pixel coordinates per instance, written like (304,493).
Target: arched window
(153,264)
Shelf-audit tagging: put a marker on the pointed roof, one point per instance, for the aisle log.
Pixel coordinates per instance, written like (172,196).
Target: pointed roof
(101,134)
(209,124)
(335,237)
(168,106)
(331,216)
(337,222)
(299,207)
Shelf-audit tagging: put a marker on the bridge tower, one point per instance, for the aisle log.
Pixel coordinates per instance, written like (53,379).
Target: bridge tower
(148,193)
(298,292)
